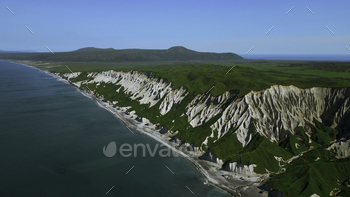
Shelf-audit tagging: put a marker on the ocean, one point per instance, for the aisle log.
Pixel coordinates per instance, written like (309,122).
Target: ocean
(52,139)
(298,57)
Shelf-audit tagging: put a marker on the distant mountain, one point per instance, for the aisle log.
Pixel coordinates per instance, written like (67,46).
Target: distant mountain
(22,51)
(89,54)
(6,51)
(93,49)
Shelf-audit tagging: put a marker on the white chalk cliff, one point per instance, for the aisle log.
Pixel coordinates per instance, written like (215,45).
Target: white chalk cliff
(274,112)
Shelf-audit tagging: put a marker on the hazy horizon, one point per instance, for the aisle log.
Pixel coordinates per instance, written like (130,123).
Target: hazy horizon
(204,26)
(241,54)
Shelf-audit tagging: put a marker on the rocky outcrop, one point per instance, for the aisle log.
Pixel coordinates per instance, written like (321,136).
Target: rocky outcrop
(281,109)
(239,168)
(342,148)
(205,106)
(172,98)
(68,76)
(138,85)
(208,156)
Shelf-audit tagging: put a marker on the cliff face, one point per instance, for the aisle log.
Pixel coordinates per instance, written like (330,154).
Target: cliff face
(281,109)
(204,107)
(273,113)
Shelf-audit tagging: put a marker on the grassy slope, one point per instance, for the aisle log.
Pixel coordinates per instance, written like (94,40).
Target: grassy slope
(317,171)
(261,151)
(308,175)
(246,75)
(226,147)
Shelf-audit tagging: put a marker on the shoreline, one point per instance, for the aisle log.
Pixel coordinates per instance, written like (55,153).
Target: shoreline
(206,168)
(229,182)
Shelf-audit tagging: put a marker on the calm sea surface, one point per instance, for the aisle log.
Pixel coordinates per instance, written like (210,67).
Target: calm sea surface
(51,142)
(299,57)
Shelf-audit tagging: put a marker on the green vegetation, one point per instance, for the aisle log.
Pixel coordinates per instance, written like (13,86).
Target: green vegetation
(249,76)
(198,134)
(262,152)
(227,147)
(322,134)
(294,145)
(81,77)
(246,75)
(308,175)
(317,171)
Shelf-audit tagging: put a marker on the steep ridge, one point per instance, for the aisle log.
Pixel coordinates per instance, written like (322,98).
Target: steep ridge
(281,109)
(90,54)
(278,122)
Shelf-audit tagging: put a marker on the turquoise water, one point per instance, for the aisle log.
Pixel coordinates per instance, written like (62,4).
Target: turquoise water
(51,142)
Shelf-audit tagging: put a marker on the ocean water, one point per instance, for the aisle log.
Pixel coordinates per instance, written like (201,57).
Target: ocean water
(52,139)
(298,57)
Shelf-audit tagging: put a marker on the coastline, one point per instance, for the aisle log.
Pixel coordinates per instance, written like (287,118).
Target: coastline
(228,182)
(234,185)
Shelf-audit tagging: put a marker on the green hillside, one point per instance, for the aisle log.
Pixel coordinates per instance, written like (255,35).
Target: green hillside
(91,54)
(244,75)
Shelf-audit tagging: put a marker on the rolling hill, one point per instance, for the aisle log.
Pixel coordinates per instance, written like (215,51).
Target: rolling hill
(91,54)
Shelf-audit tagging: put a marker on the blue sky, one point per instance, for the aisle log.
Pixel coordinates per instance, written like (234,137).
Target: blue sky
(201,25)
